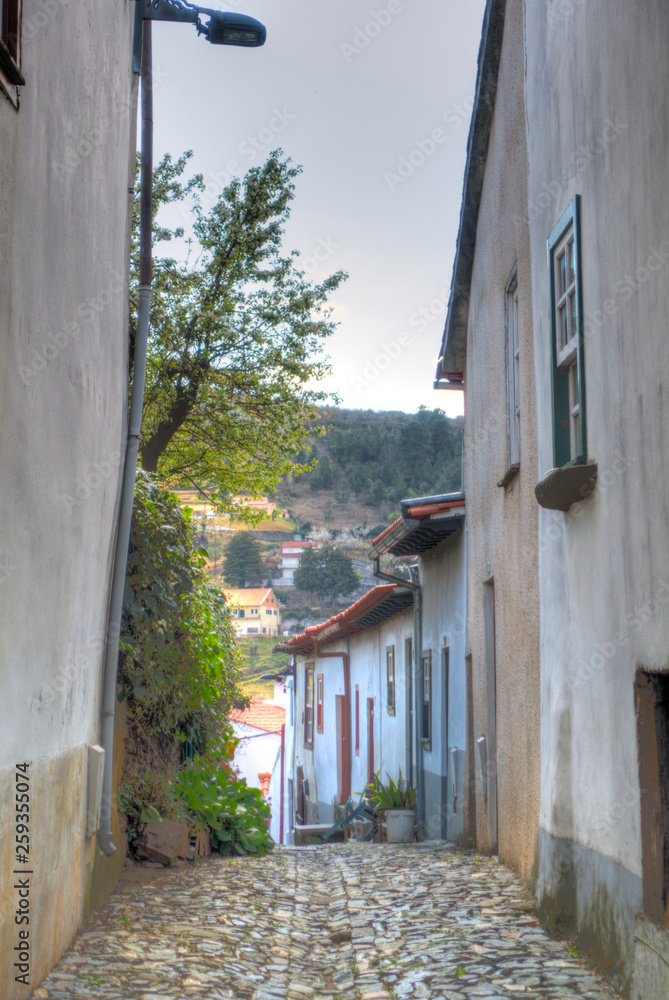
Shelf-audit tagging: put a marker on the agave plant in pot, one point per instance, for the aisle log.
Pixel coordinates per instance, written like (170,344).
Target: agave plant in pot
(396,801)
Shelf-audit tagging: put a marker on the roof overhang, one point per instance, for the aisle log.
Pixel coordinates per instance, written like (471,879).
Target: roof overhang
(424,523)
(371,610)
(453,353)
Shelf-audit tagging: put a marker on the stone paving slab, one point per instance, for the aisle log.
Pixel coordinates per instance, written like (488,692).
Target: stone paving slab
(342,922)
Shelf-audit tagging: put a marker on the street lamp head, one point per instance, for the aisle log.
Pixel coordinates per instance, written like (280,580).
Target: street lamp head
(232,29)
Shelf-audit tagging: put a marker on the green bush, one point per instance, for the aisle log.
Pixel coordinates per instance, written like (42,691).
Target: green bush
(237,816)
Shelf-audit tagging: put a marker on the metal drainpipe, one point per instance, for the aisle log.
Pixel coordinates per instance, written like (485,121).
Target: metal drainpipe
(132,448)
(347,762)
(418,676)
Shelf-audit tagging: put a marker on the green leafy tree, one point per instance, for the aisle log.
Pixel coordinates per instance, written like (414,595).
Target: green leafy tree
(242,564)
(327,572)
(236,337)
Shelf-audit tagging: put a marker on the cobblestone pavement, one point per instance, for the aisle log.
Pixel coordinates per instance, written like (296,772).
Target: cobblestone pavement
(346,922)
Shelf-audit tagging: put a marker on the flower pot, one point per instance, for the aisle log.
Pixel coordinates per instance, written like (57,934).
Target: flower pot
(399,825)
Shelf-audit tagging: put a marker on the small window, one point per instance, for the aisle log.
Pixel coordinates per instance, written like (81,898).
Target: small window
(241,613)
(390,679)
(567,354)
(512,374)
(319,703)
(309,705)
(426,735)
(10,48)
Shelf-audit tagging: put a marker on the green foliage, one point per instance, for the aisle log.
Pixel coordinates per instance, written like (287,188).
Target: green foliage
(146,799)
(178,665)
(327,572)
(257,656)
(236,815)
(242,563)
(392,795)
(385,457)
(236,337)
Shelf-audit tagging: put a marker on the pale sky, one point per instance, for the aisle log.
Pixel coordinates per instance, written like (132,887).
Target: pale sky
(374,101)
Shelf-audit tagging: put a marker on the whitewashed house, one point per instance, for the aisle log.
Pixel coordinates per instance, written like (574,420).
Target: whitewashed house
(290,555)
(584,133)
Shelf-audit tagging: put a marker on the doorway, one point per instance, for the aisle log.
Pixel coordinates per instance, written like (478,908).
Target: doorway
(652,713)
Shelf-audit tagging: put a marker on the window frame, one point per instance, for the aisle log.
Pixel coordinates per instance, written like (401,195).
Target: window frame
(319,703)
(357,720)
(426,701)
(512,345)
(568,359)
(308,706)
(390,680)
(11,77)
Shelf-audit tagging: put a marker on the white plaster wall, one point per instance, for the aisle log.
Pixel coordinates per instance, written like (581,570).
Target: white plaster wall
(603,566)
(443,574)
(65,169)
(502,522)
(255,753)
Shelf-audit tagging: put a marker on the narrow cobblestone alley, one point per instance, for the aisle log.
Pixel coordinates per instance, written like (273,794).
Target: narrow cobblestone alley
(340,921)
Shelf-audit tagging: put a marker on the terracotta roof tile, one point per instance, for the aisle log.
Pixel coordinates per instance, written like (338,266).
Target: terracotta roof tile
(269,718)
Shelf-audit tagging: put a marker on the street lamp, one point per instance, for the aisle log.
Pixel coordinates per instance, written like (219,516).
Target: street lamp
(220,29)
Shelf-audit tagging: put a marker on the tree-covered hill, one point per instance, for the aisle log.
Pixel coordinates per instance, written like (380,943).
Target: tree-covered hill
(382,457)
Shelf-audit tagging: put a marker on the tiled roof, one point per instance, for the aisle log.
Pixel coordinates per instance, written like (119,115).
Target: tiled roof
(251,597)
(374,607)
(269,718)
(425,521)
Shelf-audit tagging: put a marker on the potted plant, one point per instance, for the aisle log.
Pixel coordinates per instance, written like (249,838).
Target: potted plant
(397,802)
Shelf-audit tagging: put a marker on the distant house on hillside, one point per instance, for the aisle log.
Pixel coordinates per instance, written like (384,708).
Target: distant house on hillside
(290,555)
(261,504)
(255,611)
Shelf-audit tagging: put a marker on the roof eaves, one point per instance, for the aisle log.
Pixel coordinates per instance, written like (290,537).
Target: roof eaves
(454,341)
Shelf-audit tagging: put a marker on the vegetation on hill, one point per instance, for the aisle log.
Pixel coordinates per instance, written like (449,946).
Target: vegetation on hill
(242,563)
(327,572)
(380,458)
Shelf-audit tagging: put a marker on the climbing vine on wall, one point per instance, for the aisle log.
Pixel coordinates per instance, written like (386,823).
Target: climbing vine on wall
(179,669)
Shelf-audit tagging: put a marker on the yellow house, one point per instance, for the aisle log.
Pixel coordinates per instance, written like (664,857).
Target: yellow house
(255,611)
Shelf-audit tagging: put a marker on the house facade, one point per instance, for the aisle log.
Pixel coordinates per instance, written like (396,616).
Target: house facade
(67,121)
(488,349)
(571,175)
(255,611)
(290,555)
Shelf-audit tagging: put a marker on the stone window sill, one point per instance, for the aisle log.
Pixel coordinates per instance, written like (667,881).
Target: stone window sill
(561,488)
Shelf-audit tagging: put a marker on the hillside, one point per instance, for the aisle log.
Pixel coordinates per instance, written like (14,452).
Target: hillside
(370,460)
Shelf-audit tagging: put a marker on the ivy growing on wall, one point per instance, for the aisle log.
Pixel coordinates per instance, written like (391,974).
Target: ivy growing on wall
(179,669)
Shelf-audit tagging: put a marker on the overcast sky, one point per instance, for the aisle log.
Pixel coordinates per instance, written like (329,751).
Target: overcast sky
(374,101)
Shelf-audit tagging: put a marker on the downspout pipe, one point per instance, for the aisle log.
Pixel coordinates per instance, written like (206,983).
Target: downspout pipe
(347,762)
(281,796)
(414,585)
(132,450)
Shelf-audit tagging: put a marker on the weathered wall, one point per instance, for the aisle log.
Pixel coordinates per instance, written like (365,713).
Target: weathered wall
(597,126)
(502,521)
(64,178)
(443,580)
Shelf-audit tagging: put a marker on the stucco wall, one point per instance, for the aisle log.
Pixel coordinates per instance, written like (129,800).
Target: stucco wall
(64,178)
(443,580)
(597,127)
(502,521)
